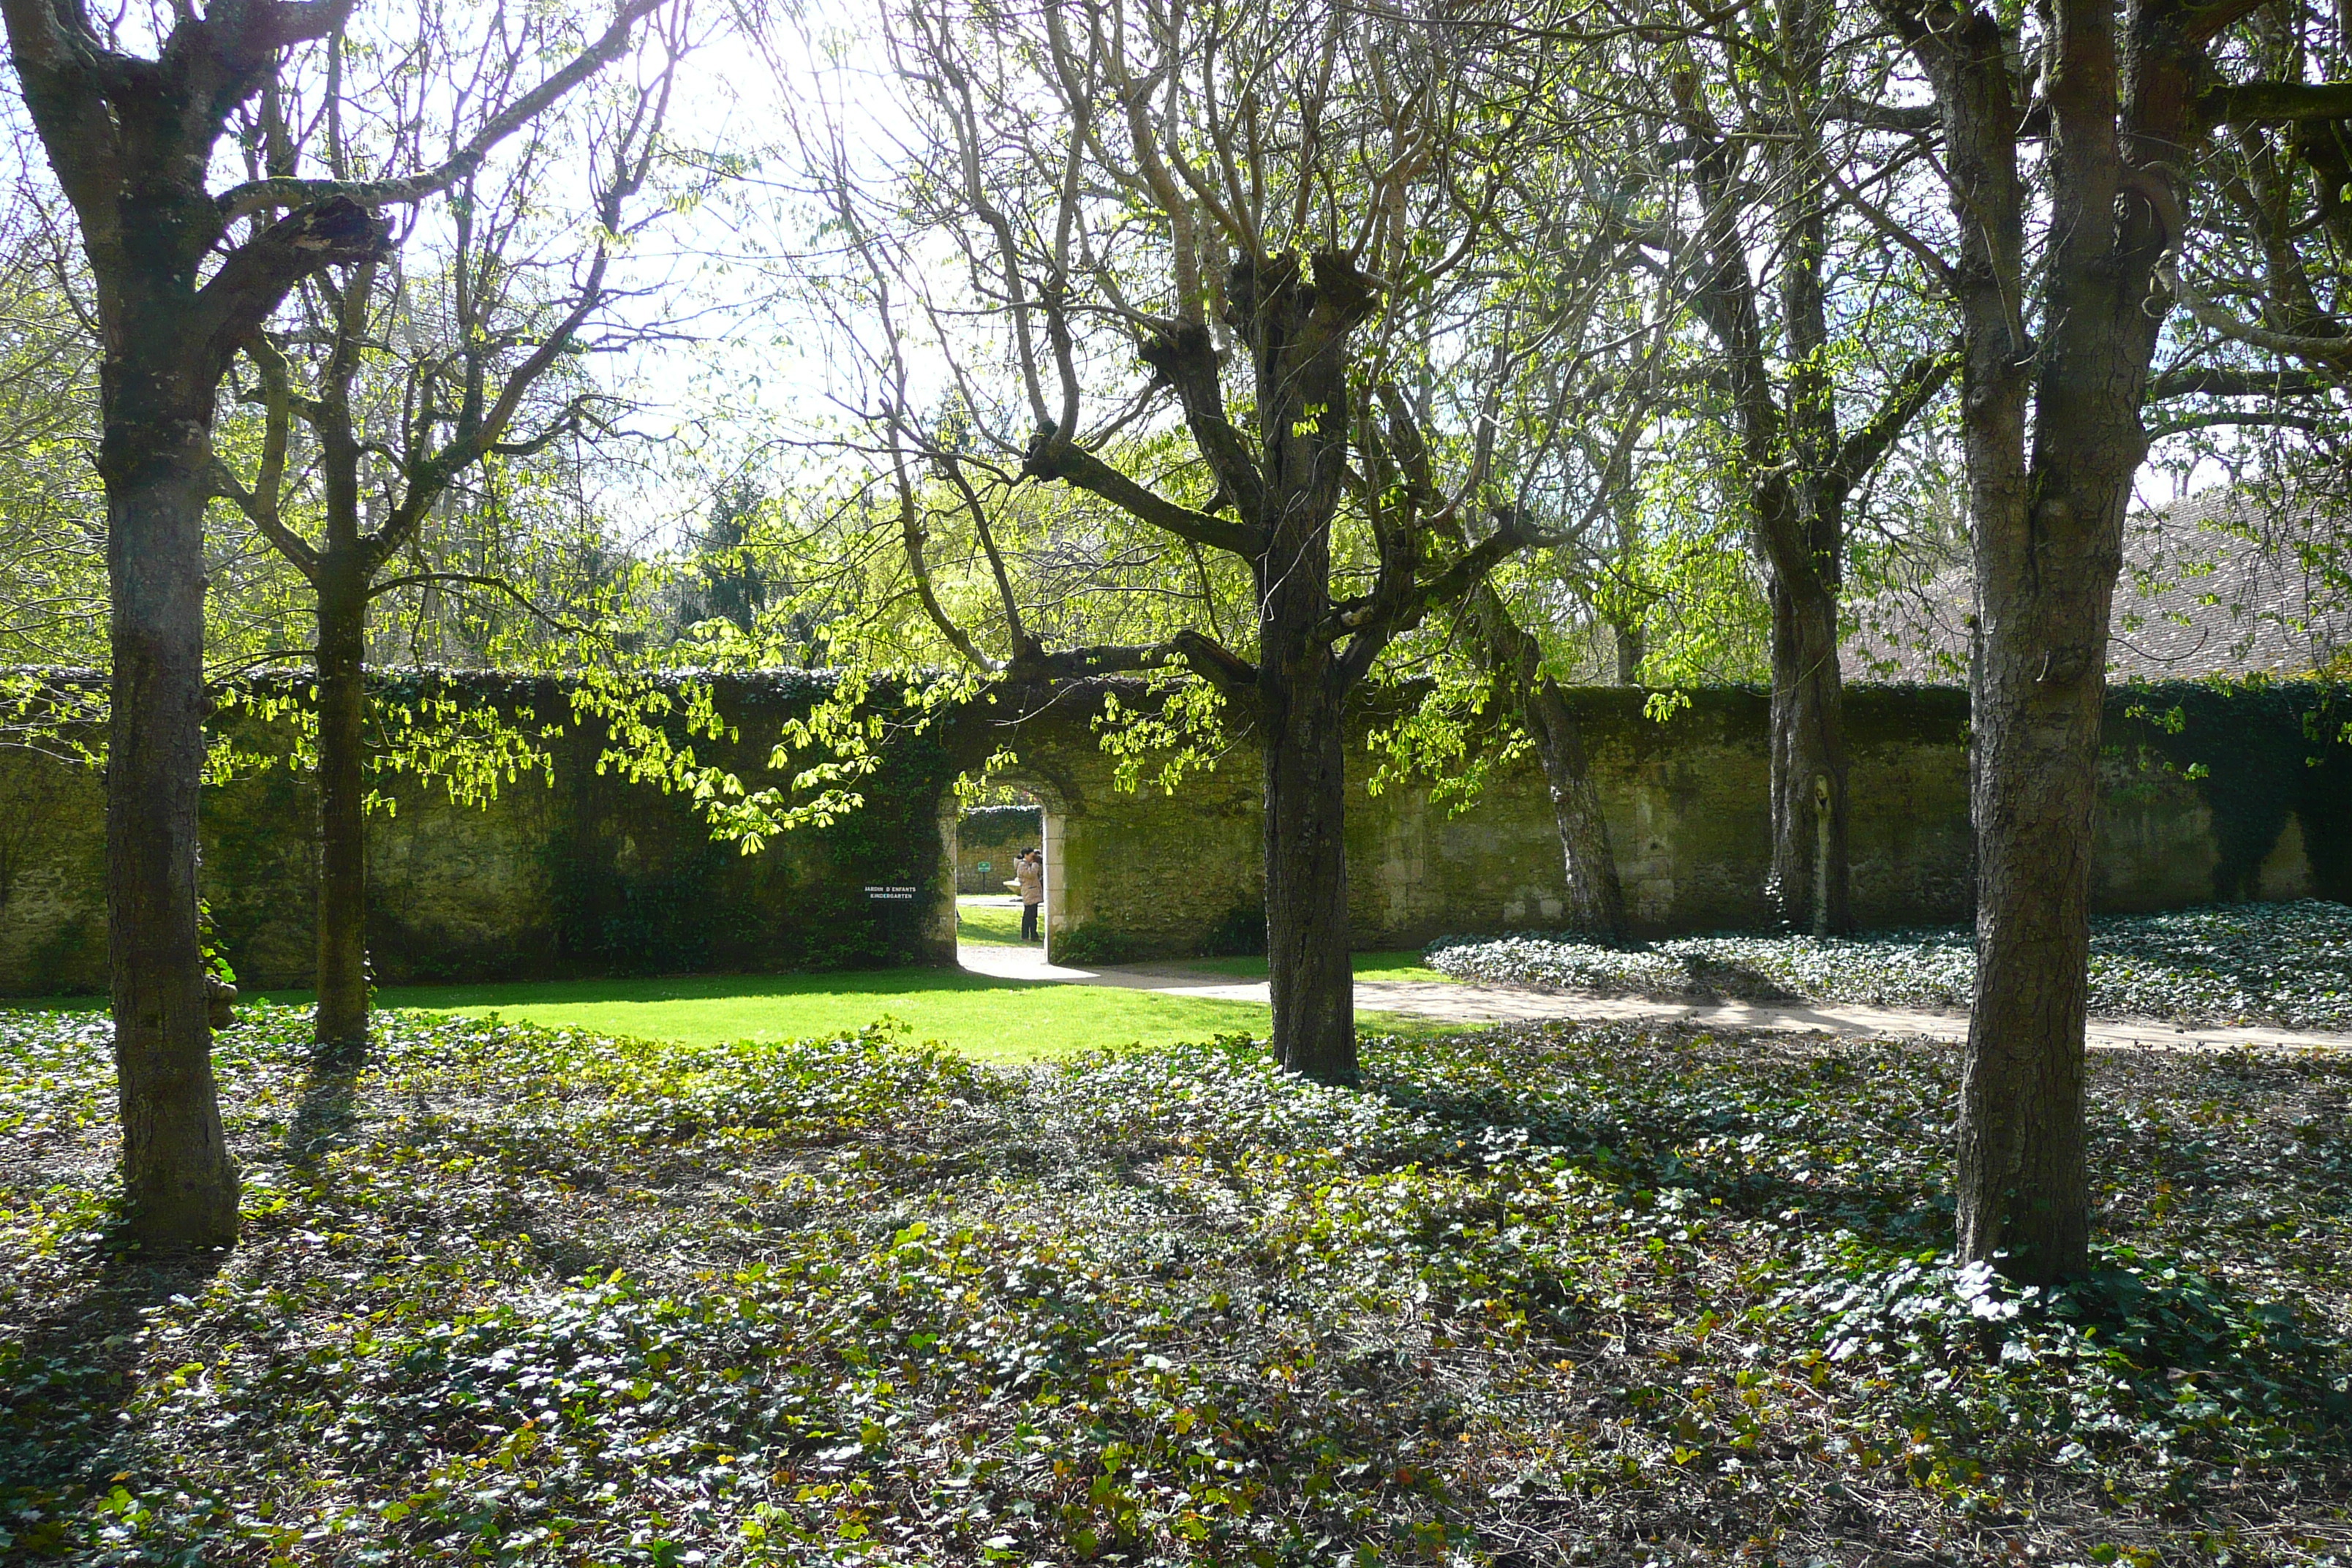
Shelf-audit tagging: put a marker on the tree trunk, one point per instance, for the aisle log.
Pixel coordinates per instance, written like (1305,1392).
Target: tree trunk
(2035,707)
(2021,1184)
(1312,982)
(2045,583)
(1596,899)
(2048,534)
(1808,725)
(131,140)
(1296,320)
(1631,649)
(1801,526)
(342,1014)
(181,1187)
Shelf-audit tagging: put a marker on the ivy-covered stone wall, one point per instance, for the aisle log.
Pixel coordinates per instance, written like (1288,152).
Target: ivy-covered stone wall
(2211,793)
(587,875)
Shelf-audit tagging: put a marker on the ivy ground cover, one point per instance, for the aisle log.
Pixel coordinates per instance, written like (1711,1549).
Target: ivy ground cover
(1541,1295)
(2286,963)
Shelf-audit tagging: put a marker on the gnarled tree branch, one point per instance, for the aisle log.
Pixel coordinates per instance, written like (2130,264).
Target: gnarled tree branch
(1050,457)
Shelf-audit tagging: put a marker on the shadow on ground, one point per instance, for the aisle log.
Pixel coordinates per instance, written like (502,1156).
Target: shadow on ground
(685,988)
(1716,978)
(328,1111)
(66,1381)
(1638,1141)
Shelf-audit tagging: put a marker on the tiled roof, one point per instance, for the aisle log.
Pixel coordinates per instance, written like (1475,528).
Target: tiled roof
(2212,584)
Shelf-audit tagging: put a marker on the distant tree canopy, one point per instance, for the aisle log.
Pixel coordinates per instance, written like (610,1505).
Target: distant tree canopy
(729,583)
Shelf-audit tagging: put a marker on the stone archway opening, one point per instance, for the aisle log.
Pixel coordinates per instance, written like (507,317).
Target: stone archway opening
(988,836)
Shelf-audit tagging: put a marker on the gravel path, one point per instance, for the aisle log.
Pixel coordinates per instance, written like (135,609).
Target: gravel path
(1463,1002)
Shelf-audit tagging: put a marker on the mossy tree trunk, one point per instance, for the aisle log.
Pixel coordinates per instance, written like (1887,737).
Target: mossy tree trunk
(1596,896)
(342,967)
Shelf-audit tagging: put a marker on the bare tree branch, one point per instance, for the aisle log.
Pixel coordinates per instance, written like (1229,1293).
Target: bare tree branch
(285,190)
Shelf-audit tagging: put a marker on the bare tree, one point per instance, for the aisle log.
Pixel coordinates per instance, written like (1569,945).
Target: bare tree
(408,378)
(1763,185)
(1607,290)
(2067,134)
(130,111)
(1277,211)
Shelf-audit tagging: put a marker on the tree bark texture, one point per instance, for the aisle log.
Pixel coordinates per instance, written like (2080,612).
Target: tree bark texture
(1596,898)
(341,570)
(1297,322)
(1808,730)
(1312,982)
(342,983)
(2022,1182)
(1797,475)
(1801,528)
(130,141)
(178,1179)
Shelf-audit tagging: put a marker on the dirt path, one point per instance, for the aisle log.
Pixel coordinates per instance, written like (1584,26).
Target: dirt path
(1447,1002)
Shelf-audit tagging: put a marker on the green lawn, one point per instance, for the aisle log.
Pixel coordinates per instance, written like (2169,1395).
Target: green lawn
(982,1016)
(999,1020)
(988,920)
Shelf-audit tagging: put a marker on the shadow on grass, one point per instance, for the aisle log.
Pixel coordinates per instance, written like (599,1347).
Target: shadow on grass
(2161,1317)
(1641,1147)
(684,988)
(328,1112)
(2172,1317)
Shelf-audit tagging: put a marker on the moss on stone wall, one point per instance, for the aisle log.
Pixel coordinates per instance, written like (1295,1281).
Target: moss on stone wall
(1687,800)
(2270,765)
(592,876)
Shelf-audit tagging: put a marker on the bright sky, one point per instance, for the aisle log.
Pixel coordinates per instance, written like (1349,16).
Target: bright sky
(763,367)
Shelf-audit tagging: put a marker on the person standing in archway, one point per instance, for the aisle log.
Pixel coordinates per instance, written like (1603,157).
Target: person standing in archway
(1031,871)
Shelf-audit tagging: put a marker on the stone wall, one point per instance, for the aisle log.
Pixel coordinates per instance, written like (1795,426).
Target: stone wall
(2209,794)
(588,876)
